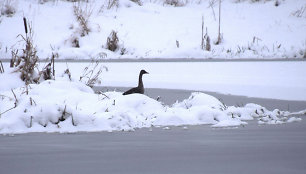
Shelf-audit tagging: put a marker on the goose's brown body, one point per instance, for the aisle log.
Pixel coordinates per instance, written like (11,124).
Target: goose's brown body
(139,89)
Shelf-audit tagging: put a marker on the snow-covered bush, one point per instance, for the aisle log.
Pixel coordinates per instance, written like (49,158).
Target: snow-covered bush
(8,8)
(112,41)
(26,62)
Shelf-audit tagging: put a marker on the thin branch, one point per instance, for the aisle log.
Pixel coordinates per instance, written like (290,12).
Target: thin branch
(1,67)
(7,111)
(16,100)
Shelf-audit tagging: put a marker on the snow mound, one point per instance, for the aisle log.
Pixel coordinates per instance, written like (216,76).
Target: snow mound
(70,106)
(198,99)
(9,80)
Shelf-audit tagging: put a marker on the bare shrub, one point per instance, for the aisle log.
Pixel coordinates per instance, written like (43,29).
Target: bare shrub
(27,61)
(112,41)
(75,42)
(47,73)
(211,5)
(8,8)
(67,73)
(137,2)
(82,15)
(112,3)
(123,51)
(91,74)
(299,12)
(175,3)
(205,42)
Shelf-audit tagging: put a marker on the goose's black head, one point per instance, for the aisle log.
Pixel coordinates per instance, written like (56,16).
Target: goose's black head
(143,72)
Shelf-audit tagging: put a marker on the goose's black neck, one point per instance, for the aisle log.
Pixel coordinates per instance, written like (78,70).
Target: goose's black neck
(140,83)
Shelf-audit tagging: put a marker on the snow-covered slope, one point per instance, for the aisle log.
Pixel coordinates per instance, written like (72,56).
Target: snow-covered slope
(156,29)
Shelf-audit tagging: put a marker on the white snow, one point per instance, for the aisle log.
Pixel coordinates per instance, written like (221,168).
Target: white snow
(293,119)
(10,80)
(62,105)
(152,30)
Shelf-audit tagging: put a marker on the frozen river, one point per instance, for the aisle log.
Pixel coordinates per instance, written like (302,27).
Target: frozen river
(253,149)
(278,79)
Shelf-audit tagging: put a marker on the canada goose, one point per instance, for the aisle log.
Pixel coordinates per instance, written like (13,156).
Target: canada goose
(139,89)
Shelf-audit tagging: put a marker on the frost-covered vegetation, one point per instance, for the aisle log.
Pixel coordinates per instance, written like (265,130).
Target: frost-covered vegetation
(84,29)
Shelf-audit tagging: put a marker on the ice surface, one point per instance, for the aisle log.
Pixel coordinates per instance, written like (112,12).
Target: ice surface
(252,149)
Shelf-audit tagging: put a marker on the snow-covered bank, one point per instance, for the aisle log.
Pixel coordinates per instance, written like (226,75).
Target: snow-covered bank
(70,106)
(155,29)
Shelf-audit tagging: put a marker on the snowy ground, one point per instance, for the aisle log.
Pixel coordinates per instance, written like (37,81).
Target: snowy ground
(67,105)
(156,29)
